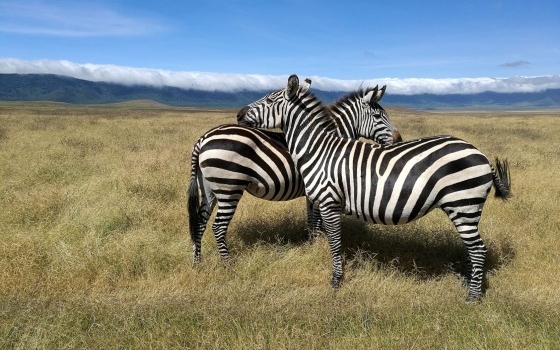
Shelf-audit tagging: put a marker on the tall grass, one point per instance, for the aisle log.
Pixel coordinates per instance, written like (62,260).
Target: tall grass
(94,250)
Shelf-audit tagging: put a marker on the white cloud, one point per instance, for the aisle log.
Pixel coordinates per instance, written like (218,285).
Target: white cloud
(236,82)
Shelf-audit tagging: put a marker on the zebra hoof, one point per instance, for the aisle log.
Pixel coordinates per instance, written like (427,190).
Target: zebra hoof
(474,299)
(313,235)
(226,261)
(335,283)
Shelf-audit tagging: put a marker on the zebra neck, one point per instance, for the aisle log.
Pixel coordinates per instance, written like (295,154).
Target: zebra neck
(347,114)
(306,130)
(347,123)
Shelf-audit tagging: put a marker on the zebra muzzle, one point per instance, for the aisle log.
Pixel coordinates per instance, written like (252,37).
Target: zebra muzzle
(396,135)
(241,120)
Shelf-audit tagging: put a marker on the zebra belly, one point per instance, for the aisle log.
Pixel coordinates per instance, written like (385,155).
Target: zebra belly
(292,189)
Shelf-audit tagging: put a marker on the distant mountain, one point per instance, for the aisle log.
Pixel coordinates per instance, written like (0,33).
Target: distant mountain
(46,87)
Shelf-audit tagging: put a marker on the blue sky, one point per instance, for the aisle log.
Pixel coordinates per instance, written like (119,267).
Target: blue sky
(403,42)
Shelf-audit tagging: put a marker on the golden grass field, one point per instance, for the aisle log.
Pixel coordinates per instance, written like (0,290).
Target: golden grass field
(95,251)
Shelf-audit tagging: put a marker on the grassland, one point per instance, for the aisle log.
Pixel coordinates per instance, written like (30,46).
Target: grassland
(94,250)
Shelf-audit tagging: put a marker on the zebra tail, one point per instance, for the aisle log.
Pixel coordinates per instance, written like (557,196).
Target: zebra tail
(502,179)
(193,197)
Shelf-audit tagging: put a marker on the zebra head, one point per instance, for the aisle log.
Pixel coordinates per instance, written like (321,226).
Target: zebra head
(372,120)
(267,112)
(356,115)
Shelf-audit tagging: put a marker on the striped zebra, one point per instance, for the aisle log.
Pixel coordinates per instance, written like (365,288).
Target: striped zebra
(231,159)
(386,185)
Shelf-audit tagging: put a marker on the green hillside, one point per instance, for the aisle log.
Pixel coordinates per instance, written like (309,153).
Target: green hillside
(45,87)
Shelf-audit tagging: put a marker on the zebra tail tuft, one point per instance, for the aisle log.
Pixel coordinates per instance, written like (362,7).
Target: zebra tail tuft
(502,179)
(193,197)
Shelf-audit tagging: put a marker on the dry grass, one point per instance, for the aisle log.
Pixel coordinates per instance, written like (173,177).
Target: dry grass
(94,250)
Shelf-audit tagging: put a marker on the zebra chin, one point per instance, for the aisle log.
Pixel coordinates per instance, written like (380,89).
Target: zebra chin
(387,140)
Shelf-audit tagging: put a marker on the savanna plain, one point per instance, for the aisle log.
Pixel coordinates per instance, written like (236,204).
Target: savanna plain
(95,251)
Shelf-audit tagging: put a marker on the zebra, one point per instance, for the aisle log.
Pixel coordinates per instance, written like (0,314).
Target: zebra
(387,185)
(231,159)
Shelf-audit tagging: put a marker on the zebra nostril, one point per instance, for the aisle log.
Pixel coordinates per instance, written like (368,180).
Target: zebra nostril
(396,136)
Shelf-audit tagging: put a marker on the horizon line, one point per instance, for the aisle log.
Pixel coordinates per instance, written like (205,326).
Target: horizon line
(234,82)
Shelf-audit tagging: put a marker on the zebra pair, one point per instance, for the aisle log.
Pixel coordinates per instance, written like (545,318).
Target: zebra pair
(231,159)
(387,185)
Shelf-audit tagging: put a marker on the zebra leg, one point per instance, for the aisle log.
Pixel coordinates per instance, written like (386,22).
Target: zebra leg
(332,223)
(203,216)
(226,210)
(477,254)
(204,212)
(467,226)
(466,221)
(314,221)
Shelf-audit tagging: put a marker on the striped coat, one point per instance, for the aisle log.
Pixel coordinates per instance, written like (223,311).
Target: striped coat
(231,159)
(388,185)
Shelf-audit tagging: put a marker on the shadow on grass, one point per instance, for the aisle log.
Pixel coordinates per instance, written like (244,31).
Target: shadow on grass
(416,250)
(410,249)
(284,232)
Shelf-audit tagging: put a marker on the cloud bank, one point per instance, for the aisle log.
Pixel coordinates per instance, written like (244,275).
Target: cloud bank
(237,82)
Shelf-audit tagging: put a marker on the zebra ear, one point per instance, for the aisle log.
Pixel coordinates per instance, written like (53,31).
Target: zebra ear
(305,85)
(293,85)
(381,93)
(370,95)
(377,94)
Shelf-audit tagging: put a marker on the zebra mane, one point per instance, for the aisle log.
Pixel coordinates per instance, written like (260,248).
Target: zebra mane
(321,113)
(350,97)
